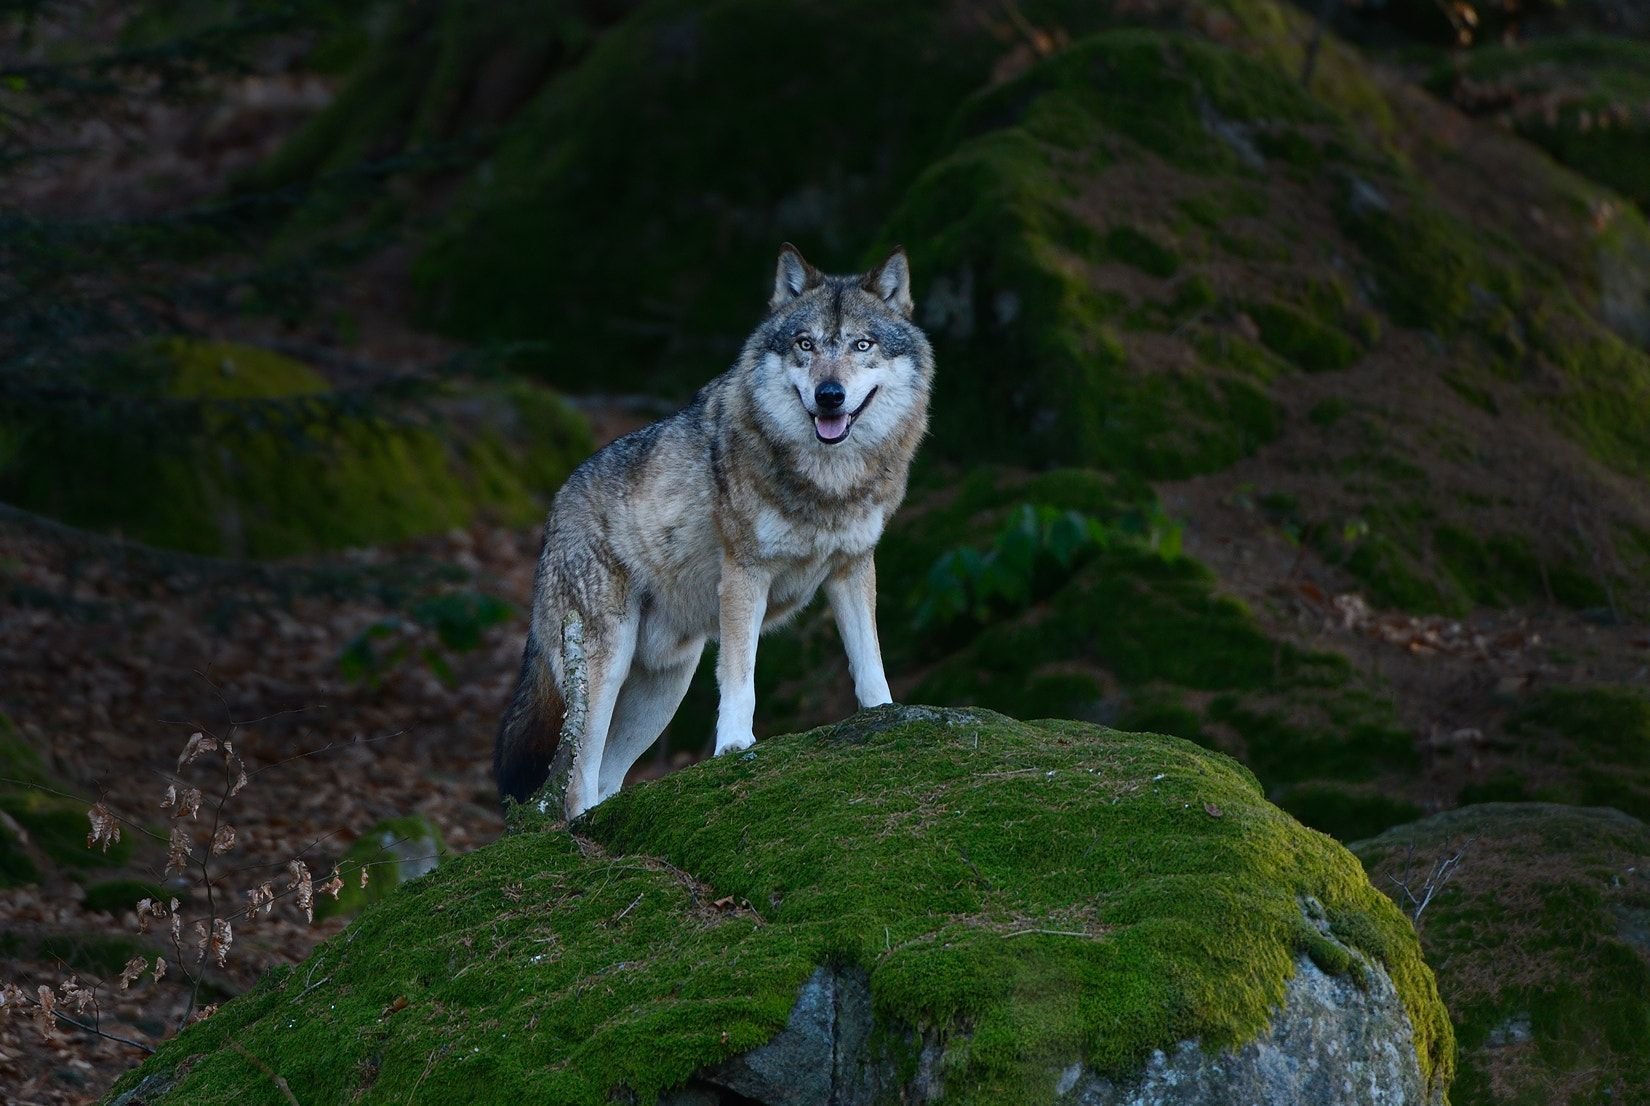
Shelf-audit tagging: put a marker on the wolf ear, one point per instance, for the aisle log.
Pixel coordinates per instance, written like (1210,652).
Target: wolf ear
(793,277)
(891,282)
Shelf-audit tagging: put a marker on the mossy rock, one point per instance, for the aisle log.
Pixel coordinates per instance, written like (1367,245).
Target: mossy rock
(55,827)
(392,852)
(929,850)
(1541,941)
(657,276)
(1302,339)
(1587,745)
(998,230)
(1131,636)
(1581,98)
(216,448)
(58,828)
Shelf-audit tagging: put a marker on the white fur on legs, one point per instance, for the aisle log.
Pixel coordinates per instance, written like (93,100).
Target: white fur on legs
(647,702)
(743,594)
(608,658)
(853,598)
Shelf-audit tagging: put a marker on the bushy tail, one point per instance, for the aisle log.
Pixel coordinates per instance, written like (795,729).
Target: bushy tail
(530,729)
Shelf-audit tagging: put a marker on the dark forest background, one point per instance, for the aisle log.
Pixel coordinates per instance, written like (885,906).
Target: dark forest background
(1293,397)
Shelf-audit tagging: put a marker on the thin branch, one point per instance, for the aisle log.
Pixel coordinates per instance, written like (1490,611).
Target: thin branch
(92,1029)
(44,790)
(280,1083)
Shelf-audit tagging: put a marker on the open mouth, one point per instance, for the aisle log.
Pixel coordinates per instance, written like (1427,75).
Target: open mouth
(832,429)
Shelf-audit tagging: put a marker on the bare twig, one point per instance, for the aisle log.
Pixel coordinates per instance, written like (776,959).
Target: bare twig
(280,1084)
(92,1029)
(1442,869)
(44,790)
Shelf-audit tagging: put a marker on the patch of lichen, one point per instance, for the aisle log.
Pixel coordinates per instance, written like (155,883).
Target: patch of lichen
(916,844)
(228,449)
(1538,941)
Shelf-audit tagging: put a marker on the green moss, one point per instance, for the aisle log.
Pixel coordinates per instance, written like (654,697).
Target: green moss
(1538,941)
(1604,401)
(58,828)
(907,842)
(654,272)
(1427,264)
(116,896)
(1499,569)
(1580,98)
(267,462)
(392,852)
(1137,248)
(1589,745)
(1008,285)
(1302,339)
(1386,561)
(1129,635)
(1347,812)
(16,866)
(18,760)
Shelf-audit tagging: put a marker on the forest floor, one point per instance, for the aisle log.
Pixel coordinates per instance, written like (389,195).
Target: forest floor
(112,655)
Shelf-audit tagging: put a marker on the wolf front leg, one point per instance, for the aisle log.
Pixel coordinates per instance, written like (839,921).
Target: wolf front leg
(608,649)
(853,596)
(743,595)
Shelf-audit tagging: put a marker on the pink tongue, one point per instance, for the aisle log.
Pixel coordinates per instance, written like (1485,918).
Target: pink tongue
(831,427)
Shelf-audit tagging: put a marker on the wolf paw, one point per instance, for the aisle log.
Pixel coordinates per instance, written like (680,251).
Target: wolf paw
(734,744)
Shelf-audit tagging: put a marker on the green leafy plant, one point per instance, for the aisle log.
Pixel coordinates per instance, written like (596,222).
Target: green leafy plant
(1038,548)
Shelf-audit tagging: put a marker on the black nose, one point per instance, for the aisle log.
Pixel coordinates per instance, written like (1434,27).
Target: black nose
(830,396)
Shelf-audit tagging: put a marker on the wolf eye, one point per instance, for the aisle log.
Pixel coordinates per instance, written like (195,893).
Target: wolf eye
(864,344)
(804,344)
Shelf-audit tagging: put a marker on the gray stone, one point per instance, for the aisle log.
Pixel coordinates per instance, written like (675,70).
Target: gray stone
(1333,1043)
(1336,1041)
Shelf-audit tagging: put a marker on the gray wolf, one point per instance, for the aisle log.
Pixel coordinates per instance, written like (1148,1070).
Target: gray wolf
(722,521)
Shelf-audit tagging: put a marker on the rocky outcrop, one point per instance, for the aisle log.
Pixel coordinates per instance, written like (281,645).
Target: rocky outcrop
(1337,1040)
(919,904)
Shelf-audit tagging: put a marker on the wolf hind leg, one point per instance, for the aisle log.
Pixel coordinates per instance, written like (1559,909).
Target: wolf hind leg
(608,659)
(647,703)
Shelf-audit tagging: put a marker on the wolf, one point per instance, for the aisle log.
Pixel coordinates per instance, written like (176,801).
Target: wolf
(721,522)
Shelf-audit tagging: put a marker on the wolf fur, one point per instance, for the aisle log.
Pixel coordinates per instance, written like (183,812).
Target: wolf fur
(723,521)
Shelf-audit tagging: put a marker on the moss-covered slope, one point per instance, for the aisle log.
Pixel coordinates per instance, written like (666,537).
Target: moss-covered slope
(216,448)
(1581,98)
(933,849)
(1186,256)
(1541,941)
(1586,745)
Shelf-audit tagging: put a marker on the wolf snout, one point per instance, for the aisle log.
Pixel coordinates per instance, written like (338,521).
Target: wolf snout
(830,396)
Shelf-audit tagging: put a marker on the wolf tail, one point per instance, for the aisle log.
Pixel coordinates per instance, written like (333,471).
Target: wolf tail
(530,729)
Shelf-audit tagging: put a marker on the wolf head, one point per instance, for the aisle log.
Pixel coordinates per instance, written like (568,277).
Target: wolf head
(839,364)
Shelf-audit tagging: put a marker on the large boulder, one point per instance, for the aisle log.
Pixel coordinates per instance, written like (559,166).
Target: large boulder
(226,449)
(916,904)
(1541,939)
